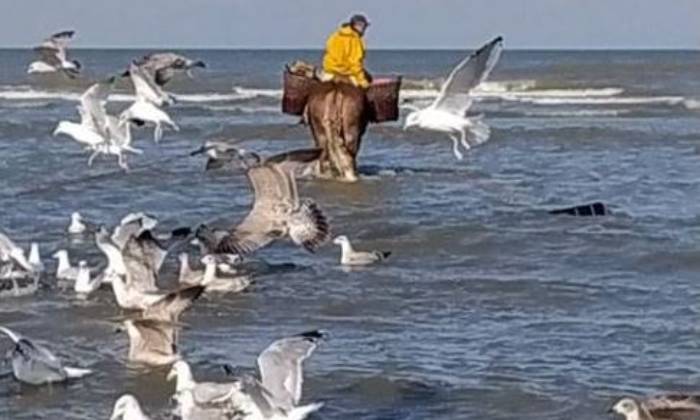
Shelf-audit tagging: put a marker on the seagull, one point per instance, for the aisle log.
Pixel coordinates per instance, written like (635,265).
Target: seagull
(219,282)
(35,258)
(278,393)
(668,407)
(127,407)
(201,400)
(99,132)
(150,98)
(151,342)
(78,225)
(64,269)
(84,284)
(10,252)
(349,256)
(189,408)
(163,66)
(220,154)
(448,113)
(277,212)
(36,365)
(157,305)
(53,56)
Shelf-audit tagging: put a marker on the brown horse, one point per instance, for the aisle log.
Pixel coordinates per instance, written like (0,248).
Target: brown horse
(338,115)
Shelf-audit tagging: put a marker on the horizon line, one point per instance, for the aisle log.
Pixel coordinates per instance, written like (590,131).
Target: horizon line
(307,48)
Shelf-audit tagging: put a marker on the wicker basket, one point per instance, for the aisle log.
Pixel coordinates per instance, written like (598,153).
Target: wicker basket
(383,99)
(296,93)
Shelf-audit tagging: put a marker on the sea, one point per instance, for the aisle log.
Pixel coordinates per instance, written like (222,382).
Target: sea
(489,307)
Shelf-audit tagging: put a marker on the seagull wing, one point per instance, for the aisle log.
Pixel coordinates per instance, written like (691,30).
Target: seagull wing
(455,93)
(164,65)
(61,39)
(92,108)
(152,337)
(674,407)
(146,87)
(274,199)
(295,161)
(49,55)
(281,366)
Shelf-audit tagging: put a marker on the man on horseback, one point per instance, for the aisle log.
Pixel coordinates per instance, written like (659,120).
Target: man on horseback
(345,53)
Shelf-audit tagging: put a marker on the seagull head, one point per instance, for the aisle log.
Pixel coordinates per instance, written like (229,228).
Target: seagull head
(63,127)
(413,119)
(627,407)
(58,254)
(183,374)
(76,217)
(342,239)
(208,259)
(125,404)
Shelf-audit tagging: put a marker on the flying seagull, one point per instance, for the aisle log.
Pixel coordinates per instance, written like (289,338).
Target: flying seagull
(150,99)
(97,131)
(277,212)
(278,392)
(667,407)
(448,113)
(53,58)
(35,364)
(164,65)
(349,256)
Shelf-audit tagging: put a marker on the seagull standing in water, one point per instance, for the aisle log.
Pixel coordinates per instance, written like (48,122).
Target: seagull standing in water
(448,113)
(666,407)
(35,364)
(278,392)
(53,56)
(349,256)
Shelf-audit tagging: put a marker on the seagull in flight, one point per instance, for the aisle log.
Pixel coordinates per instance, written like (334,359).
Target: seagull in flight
(164,65)
(97,131)
(53,56)
(150,99)
(277,210)
(448,113)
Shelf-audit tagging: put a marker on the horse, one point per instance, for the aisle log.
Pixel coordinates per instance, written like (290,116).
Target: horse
(338,115)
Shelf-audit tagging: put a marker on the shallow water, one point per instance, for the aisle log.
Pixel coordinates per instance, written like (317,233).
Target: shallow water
(489,308)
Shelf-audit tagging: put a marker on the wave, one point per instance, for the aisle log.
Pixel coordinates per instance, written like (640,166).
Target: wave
(523,91)
(578,113)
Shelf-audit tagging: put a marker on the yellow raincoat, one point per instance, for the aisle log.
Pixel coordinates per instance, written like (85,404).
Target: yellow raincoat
(345,55)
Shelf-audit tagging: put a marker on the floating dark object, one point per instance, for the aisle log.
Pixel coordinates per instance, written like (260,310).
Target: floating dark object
(593,209)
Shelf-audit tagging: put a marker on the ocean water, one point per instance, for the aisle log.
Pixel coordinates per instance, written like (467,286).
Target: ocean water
(489,308)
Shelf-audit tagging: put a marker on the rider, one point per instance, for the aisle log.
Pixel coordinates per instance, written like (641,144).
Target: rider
(345,53)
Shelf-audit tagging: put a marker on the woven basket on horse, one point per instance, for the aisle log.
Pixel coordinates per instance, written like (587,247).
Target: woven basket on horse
(298,81)
(383,99)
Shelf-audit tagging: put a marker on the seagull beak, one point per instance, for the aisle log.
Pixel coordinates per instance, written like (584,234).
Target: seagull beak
(200,64)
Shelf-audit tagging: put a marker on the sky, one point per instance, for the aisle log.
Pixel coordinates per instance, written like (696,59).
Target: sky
(551,24)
